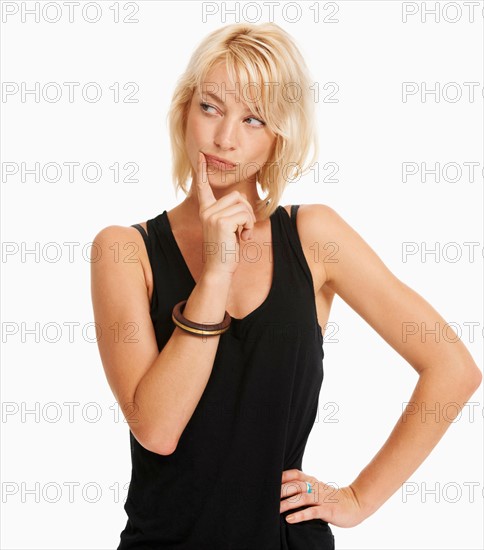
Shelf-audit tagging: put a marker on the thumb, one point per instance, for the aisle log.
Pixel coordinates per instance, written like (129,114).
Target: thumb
(205,194)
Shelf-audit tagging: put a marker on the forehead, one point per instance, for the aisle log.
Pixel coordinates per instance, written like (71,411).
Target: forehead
(218,84)
(218,73)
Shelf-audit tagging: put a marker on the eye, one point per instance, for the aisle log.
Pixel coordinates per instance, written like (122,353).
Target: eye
(204,106)
(258,120)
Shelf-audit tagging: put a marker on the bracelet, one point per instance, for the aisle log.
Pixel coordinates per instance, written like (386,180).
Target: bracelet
(201,329)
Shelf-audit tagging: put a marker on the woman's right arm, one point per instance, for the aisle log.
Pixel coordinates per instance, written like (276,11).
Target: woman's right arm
(157,391)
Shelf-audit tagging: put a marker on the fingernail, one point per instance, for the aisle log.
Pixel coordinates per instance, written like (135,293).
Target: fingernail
(290,518)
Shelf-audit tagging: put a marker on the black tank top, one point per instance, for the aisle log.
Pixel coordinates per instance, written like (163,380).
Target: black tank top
(221,487)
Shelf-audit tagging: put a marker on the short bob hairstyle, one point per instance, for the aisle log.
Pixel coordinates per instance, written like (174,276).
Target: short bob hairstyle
(265,57)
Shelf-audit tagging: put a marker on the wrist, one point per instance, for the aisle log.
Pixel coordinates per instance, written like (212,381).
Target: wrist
(216,278)
(366,505)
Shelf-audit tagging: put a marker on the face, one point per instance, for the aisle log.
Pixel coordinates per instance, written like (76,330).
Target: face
(224,125)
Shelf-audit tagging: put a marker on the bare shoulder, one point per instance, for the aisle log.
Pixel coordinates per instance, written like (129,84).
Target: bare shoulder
(320,228)
(317,219)
(116,233)
(114,240)
(121,249)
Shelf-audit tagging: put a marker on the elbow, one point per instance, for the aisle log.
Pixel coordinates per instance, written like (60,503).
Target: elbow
(159,446)
(153,443)
(475,379)
(164,450)
(149,438)
(471,379)
(464,380)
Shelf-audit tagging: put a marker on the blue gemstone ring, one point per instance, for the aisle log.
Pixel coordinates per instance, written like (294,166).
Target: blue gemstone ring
(309,487)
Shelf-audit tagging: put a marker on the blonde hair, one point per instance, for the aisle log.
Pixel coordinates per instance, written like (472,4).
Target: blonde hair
(259,54)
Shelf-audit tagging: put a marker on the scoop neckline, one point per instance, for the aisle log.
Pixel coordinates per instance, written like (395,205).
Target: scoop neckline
(275,264)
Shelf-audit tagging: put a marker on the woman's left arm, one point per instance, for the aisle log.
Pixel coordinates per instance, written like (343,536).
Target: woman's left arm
(409,324)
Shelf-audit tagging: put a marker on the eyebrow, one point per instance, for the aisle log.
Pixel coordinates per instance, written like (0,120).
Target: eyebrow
(217,98)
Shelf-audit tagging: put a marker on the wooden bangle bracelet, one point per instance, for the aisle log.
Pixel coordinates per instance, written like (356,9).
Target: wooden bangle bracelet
(203,329)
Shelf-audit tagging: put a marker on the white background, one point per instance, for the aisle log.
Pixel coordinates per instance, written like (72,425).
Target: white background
(368,51)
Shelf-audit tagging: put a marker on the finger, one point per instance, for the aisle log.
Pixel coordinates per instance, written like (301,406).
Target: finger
(300,485)
(246,231)
(290,488)
(239,216)
(246,200)
(312,512)
(233,198)
(246,235)
(245,224)
(298,501)
(204,191)
(288,475)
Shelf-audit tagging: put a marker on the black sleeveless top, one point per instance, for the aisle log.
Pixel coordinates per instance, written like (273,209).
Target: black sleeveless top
(221,487)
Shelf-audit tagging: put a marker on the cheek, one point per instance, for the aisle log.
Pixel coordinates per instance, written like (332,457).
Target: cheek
(270,146)
(264,149)
(196,130)
(192,131)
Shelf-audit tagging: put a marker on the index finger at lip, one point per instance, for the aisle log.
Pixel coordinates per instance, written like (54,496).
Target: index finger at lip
(201,172)
(202,181)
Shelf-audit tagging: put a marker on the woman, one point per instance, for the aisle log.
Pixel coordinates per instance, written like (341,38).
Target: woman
(219,306)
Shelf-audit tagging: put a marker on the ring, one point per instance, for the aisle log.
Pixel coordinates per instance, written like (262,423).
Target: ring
(309,487)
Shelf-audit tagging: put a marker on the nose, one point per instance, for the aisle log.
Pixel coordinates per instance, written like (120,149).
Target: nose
(226,134)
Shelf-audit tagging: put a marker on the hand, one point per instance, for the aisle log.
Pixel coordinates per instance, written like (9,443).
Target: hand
(337,506)
(221,220)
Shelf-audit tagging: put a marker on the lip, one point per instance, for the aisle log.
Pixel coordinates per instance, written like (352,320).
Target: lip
(220,162)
